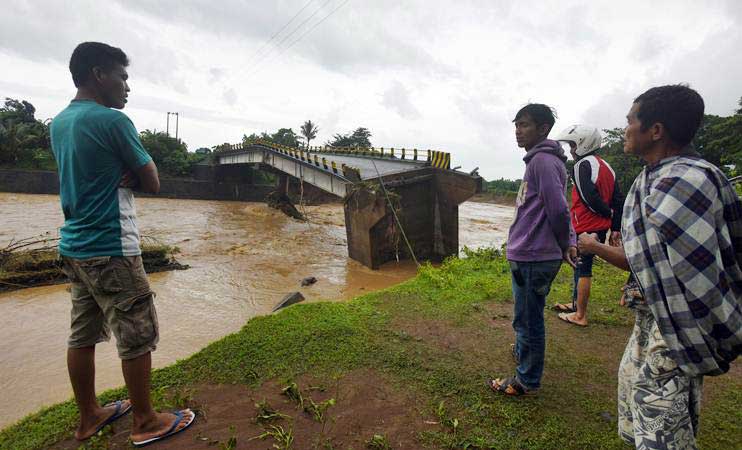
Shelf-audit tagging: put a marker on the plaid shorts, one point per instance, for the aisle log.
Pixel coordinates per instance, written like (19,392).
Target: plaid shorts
(112,294)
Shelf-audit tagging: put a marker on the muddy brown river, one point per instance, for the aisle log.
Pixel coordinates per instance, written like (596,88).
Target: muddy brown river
(244,258)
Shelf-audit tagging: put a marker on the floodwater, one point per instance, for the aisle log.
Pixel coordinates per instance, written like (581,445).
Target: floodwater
(244,258)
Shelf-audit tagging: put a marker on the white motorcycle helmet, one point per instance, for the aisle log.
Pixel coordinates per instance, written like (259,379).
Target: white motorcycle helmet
(586,138)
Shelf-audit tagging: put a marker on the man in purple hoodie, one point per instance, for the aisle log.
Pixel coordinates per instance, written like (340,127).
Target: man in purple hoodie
(540,237)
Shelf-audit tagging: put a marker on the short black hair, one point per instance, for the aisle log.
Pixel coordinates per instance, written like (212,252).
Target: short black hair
(540,113)
(94,54)
(677,107)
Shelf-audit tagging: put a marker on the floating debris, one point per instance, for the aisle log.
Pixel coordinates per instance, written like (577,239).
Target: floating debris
(283,203)
(35,261)
(288,300)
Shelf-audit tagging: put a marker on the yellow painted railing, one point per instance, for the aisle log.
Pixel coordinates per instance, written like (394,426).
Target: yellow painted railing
(434,158)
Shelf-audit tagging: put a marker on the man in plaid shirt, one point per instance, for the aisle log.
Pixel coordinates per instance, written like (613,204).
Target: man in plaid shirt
(682,231)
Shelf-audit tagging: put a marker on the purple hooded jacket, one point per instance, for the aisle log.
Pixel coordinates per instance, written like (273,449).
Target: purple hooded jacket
(541,230)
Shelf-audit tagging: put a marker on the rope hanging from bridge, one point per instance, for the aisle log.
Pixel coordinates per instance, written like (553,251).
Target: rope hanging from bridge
(396,218)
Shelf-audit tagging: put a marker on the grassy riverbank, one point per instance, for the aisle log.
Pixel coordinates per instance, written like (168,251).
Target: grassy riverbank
(402,368)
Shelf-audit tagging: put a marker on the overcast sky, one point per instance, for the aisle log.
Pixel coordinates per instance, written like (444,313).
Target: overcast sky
(445,75)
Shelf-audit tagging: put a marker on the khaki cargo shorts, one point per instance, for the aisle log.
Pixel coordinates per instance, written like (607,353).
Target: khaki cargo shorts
(112,294)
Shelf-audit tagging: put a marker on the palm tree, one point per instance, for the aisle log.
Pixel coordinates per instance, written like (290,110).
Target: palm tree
(309,131)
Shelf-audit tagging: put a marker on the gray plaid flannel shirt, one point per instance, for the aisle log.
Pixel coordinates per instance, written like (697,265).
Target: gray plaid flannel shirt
(682,231)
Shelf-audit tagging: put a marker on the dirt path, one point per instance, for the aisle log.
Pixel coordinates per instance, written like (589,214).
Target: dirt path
(369,403)
(366,404)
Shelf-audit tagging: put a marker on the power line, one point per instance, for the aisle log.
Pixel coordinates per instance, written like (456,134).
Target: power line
(301,24)
(257,69)
(278,45)
(315,26)
(279,31)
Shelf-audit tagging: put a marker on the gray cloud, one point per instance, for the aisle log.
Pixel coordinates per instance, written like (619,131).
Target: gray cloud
(159,105)
(571,27)
(490,122)
(46,91)
(230,97)
(479,59)
(714,69)
(397,98)
(29,32)
(733,9)
(227,17)
(216,74)
(142,102)
(358,36)
(610,110)
(649,46)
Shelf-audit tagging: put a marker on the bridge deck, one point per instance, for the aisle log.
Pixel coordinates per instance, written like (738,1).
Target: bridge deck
(365,165)
(333,170)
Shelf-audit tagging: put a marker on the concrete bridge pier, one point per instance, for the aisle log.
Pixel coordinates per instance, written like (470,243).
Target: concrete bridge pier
(426,201)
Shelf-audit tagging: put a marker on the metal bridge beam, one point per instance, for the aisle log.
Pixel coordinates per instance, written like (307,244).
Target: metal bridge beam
(316,176)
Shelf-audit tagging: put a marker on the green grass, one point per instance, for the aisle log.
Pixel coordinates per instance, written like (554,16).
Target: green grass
(386,331)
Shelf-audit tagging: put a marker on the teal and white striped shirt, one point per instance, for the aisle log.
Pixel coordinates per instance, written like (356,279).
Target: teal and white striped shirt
(93,146)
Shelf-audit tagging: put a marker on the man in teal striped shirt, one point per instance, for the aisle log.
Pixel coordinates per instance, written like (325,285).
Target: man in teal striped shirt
(100,161)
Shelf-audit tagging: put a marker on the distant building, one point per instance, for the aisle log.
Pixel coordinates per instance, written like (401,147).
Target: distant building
(203,151)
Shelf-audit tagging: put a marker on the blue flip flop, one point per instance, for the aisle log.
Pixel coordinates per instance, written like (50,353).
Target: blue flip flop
(119,413)
(171,431)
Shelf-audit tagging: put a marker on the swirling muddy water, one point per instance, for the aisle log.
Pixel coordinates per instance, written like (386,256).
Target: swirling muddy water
(244,258)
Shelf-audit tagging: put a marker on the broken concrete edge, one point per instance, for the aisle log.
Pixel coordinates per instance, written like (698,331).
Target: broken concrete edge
(427,202)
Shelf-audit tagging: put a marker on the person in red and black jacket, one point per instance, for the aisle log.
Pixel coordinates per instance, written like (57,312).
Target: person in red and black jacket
(597,206)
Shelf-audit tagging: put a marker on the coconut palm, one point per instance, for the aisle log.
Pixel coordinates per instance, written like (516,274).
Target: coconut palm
(309,131)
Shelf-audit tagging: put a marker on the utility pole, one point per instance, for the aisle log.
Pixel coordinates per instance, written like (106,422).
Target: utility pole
(177,116)
(167,130)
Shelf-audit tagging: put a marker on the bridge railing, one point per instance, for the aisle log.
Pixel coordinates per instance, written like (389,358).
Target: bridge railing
(435,158)
(352,174)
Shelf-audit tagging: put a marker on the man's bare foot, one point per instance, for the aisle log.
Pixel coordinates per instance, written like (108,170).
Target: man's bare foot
(573,319)
(161,424)
(91,425)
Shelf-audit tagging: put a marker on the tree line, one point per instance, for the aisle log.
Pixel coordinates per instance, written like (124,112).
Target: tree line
(24,140)
(24,144)
(360,137)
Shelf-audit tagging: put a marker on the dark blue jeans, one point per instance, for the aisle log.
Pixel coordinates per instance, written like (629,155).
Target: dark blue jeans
(531,284)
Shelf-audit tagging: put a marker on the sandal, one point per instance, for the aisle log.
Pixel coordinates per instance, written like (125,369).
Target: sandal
(509,386)
(570,319)
(563,307)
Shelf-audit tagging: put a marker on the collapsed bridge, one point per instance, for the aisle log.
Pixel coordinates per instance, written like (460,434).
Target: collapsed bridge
(423,191)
